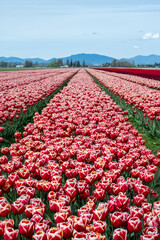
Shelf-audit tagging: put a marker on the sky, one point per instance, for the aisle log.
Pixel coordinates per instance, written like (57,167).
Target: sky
(59,28)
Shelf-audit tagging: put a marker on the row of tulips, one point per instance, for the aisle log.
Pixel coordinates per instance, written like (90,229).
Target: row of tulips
(142,97)
(10,80)
(136,79)
(80,171)
(142,72)
(17,99)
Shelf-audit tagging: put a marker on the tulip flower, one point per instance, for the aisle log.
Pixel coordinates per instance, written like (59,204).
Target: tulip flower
(67,229)
(54,234)
(100,226)
(119,234)
(40,235)
(116,219)
(18,207)
(11,234)
(5,209)
(2,226)
(134,224)
(26,228)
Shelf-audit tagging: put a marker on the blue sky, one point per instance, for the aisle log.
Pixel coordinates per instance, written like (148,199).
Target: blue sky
(50,28)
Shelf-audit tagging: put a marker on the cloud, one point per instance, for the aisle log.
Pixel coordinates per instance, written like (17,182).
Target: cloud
(135,47)
(150,36)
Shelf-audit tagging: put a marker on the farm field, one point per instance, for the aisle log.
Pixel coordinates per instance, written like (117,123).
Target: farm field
(147,73)
(80,155)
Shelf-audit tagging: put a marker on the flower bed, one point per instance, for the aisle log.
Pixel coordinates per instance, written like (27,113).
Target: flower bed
(141,99)
(16,100)
(80,171)
(147,73)
(136,79)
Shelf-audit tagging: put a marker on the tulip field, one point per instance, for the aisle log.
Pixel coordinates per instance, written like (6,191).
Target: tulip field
(72,166)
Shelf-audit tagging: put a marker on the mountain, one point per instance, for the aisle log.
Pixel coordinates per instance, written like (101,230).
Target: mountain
(140,59)
(95,59)
(21,60)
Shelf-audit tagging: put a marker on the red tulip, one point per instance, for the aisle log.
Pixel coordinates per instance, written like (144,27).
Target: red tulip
(147,207)
(79,224)
(18,207)
(4,150)
(71,192)
(8,223)
(120,234)
(11,234)
(2,226)
(67,229)
(26,228)
(134,224)
(99,194)
(100,226)
(5,209)
(136,212)
(122,202)
(99,214)
(139,200)
(54,234)
(39,235)
(116,219)
(151,232)
(60,217)
(41,227)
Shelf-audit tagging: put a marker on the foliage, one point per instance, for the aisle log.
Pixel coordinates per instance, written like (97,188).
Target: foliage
(117,63)
(28,64)
(54,64)
(3,64)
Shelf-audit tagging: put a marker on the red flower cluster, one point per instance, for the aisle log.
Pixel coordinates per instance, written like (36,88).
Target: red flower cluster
(142,97)
(136,79)
(20,90)
(73,156)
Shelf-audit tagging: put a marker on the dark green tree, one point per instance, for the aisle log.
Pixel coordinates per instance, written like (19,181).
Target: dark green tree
(28,64)
(78,64)
(54,64)
(67,62)
(60,61)
(83,64)
(71,63)
(3,64)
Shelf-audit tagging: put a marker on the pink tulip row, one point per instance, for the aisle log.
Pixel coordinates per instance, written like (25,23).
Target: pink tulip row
(17,78)
(136,79)
(17,99)
(81,148)
(142,97)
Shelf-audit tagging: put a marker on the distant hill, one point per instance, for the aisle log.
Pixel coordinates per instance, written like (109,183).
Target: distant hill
(140,59)
(95,59)
(21,60)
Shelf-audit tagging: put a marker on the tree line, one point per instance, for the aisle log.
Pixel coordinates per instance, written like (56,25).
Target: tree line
(70,63)
(54,64)
(119,63)
(59,63)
